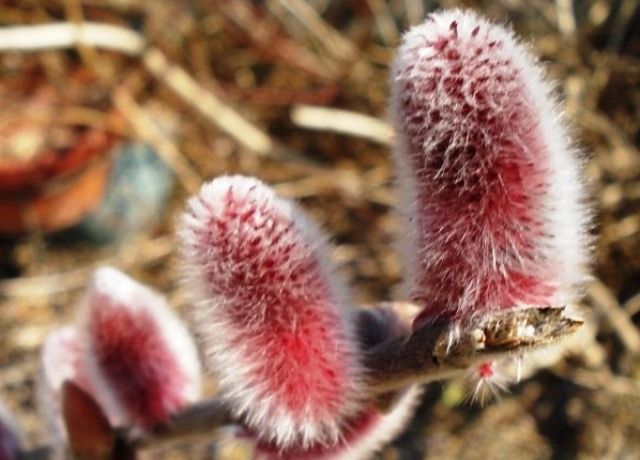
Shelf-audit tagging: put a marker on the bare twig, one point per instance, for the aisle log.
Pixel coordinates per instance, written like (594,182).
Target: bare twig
(384,22)
(566,18)
(632,305)
(205,102)
(601,380)
(414,12)
(602,124)
(624,16)
(623,228)
(66,35)
(336,44)
(607,305)
(371,185)
(265,37)
(342,121)
(441,350)
(199,420)
(434,352)
(73,10)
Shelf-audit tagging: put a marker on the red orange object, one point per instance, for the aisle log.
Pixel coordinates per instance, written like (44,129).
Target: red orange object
(53,171)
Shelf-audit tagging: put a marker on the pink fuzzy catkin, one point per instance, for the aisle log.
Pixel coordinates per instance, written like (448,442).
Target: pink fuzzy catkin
(139,359)
(360,435)
(370,429)
(274,321)
(128,351)
(493,199)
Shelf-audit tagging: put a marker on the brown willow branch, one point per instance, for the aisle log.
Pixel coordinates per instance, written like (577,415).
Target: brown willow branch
(101,442)
(436,351)
(198,420)
(440,350)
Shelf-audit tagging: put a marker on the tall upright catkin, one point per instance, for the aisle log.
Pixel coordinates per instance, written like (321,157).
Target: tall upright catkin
(492,193)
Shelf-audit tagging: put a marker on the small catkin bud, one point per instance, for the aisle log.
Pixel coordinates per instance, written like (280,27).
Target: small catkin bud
(275,323)
(493,196)
(139,358)
(10,437)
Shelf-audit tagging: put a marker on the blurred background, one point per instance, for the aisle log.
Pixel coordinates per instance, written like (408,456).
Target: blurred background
(112,112)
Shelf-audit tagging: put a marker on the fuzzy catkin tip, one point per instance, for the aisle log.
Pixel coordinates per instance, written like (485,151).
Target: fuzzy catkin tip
(274,321)
(493,198)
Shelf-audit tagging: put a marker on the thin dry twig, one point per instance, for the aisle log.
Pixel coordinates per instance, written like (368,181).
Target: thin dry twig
(384,21)
(441,350)
(606,303)
(332,41)
(632,305)
(205,102)
(624,16)
(603,124)
(74,13)
(151,133)
(566,18)
(602,381)
(414,12)
(66,35)
(198,420)
(264,36)
(342,121)
(372,185)
(623,228)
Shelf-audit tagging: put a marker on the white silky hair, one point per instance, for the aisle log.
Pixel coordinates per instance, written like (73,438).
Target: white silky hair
(385,430)
(127,293)
(235,365)
(55,367)
(564,211)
